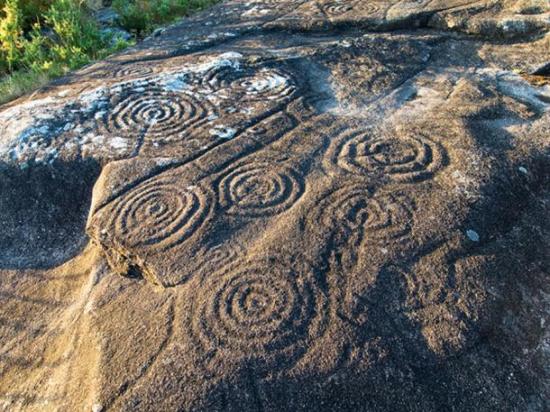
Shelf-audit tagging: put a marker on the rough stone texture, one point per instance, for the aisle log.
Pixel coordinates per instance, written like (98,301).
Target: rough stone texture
(315,205)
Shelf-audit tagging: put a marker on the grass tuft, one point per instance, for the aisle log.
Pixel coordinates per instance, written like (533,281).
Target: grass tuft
(20,83)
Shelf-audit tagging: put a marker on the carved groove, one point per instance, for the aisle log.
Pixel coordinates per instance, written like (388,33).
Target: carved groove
(263,310)
(401,159)
(260,188)
(158,214)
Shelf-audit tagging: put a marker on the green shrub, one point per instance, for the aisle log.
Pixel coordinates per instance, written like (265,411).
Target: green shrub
(78,37)
(35,53)
(142,16)
(41,39)
(135,16)
(11,35)
(31,11)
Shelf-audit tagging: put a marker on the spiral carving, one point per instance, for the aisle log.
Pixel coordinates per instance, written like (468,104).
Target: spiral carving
(260,188)
(265,310)
(118,72)
(340,7)
(157,114)
(381,218)
(133,71)
(336,8)
(159,213)
(250,84)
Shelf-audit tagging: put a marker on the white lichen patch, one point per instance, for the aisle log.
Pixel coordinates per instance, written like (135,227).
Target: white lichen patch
(265,81)
(174,83)
(256,11)
(465,185)
(82,126)
(17,119)
(119,143)
(223,132)
(42,130)
(228,59)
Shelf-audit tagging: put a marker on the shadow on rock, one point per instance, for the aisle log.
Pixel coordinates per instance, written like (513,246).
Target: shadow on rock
(43,210)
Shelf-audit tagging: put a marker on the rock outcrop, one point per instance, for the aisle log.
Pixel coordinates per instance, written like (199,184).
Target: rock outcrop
(286,205)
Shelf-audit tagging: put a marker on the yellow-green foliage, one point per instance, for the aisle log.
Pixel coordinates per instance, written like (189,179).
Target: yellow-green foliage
(20,83)
(41,39)
(142,16)
(31,11)
(77,37)
(74,41)
(11,35)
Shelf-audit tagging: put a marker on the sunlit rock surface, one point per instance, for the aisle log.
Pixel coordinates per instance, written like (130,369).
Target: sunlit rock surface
(286,205)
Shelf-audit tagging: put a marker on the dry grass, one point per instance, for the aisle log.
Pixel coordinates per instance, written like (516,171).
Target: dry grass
(18,84)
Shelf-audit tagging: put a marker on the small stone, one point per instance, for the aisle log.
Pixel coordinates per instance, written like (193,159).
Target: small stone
(158,32)
(523,170)
(107,16)
(94,4)
(115,34)
(472,235)
(97,408)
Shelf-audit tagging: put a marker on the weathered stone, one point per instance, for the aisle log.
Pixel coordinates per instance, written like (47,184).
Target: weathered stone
(95,4)
(314,205)
(115,35)
(107,16)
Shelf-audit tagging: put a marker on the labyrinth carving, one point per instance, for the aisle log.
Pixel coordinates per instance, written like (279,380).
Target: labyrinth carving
(398,158)
(260,188)
(383,218)
(155,114)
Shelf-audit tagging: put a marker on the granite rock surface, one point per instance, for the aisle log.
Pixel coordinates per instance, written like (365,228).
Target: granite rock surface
(286,205)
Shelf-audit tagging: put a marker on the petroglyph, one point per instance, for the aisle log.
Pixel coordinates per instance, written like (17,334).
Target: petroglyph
(399,158)
(260,188)
(309,201)
(157,115)
(264,309)
(170,211)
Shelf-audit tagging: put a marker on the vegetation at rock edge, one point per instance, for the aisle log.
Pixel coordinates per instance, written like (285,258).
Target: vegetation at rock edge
(44,39)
